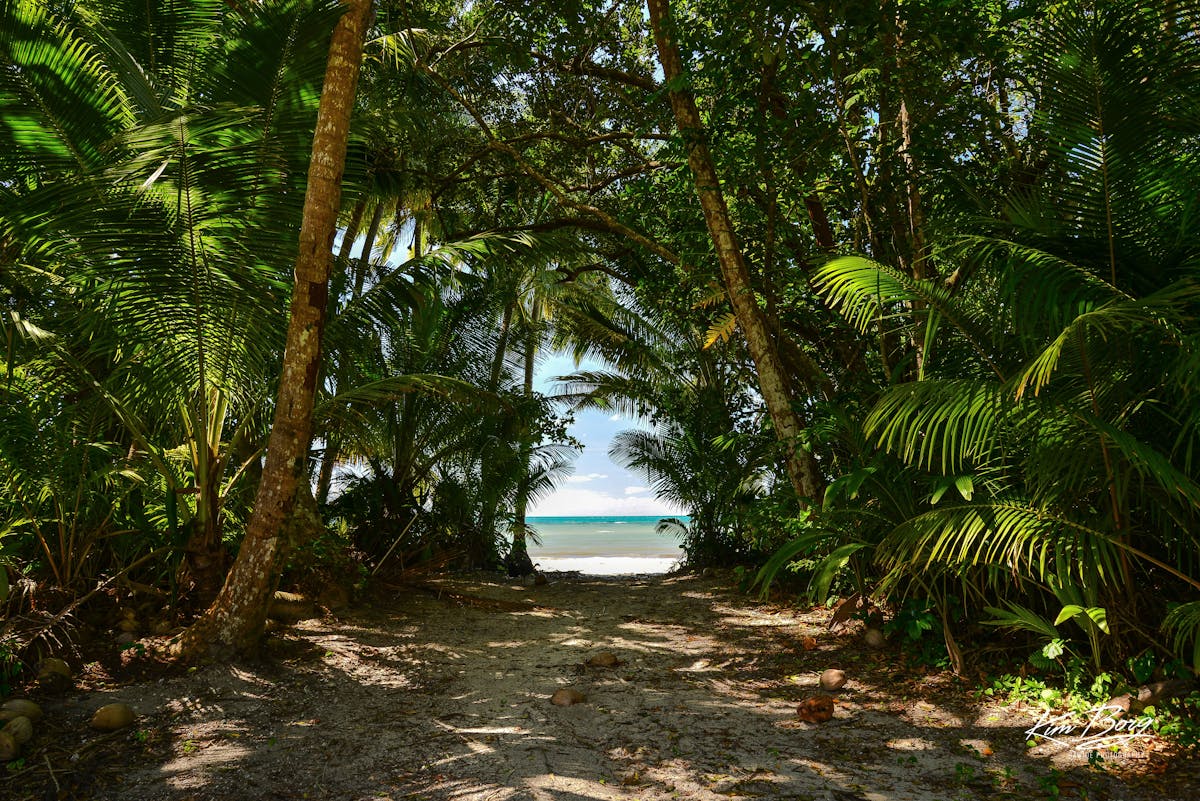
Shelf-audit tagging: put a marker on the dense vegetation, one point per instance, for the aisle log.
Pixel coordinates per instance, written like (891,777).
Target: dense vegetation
(905,292)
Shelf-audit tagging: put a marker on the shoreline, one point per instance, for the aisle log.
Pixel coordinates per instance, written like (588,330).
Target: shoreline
(608,565)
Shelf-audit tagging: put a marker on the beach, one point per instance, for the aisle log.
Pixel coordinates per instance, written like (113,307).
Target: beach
(603,546)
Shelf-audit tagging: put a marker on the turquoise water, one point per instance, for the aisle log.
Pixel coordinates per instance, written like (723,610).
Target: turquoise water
(603,545)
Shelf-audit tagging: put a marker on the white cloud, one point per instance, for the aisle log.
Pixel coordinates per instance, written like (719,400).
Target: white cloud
(636,490)
(586,478)
(615,417)
(579,502)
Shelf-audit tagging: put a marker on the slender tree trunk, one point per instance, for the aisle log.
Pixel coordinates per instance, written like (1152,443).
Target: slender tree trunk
(352,230)
(364,258)
(801,466)
(233,625)
(920,264)
(333,447)
(519,563)
(487,467)
(333,442)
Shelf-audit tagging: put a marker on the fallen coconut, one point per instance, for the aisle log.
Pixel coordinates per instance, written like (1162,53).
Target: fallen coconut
(874,638)
(604,659)
(54,675)
(8,748)
(567,697)
(20,729)
(24,708)
(817,709)
(833,679)
(290,607)
(113,717)
(55,665)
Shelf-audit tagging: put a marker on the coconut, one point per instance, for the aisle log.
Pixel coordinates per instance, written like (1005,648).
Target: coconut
(24,708)
(815,709)
(54,676)
(874,638)
(20,729)
(113,717)
(55,665)
(8,748)
(604,659)
(290,607)
(833,679)
(567,697)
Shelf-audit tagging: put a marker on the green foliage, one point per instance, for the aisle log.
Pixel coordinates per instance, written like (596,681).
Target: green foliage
(919,622)
(1048,390)
(971,230)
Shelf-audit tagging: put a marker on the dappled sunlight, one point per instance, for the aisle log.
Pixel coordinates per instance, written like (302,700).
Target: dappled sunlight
(508,644)
(186,771)
(910,744)
(702,707)
(558,788)
(751,617)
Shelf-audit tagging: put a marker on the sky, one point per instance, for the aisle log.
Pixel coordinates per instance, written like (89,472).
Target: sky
(598,486)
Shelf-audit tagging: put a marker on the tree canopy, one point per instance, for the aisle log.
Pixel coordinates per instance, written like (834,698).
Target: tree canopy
(903,294)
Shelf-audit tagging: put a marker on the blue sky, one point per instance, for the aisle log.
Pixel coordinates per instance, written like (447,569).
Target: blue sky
(598,486)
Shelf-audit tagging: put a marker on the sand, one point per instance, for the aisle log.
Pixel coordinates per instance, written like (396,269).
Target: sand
(442,693)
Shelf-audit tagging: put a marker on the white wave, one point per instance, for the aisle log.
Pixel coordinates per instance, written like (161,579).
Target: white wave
(609,565)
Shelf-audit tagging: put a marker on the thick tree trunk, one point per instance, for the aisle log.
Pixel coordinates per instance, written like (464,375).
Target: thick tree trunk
(233,625)
(801,466)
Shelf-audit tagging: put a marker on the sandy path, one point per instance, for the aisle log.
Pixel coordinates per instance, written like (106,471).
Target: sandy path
(422,697)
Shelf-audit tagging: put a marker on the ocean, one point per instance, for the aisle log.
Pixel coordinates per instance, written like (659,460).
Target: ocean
(603,546)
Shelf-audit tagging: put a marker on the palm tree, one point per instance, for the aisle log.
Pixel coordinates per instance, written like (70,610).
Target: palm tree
(706,450)
(140,173)
(234,622)
(1058,395)
(773,380)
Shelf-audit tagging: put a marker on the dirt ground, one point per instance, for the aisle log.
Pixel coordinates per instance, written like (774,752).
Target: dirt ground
(442,693)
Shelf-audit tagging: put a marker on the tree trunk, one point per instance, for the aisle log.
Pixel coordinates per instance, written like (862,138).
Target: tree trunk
(487,467)
(519,563)
(233,625)
(364,258)
(333,446)
(352,230)
(801,466)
